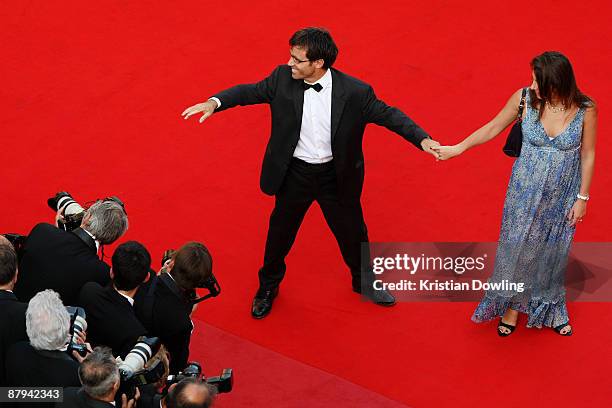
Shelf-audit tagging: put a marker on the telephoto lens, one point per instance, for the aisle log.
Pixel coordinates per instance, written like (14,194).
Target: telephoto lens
(78,325)
(64,199)
(136,359)
(72,211)
(133,367)
(78,322)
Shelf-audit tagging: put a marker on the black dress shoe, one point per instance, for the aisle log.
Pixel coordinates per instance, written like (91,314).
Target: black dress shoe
(262,303)
(380,297)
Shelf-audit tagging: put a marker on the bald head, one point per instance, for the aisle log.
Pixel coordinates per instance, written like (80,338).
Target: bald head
(190,393)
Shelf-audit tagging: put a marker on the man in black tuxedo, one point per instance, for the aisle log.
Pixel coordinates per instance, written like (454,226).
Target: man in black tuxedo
(110,313)
(65,261)
(319,115)
(12,322)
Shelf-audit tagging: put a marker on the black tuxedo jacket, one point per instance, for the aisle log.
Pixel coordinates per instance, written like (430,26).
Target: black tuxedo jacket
(354,105)
(12,326)
(169,319)
(110,319)
(28,367)
(58,260)
(78,398)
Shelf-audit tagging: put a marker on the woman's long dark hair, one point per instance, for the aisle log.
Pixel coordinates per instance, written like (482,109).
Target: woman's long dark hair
(555,76)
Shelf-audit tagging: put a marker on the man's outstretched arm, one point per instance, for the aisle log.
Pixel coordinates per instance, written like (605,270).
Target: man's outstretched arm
(379,113)
(244,94)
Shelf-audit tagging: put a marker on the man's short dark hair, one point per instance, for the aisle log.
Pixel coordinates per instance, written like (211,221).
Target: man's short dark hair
(192,264)
(8,262)
(185,394)
(131,265)
(318,43)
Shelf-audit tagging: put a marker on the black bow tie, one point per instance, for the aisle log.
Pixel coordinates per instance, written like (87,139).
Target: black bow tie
(316,87)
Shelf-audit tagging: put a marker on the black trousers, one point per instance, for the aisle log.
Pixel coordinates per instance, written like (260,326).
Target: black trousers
(303,184)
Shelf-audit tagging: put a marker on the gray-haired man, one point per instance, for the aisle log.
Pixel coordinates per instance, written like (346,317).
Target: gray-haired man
(99,375)
(42,361)
(64,261)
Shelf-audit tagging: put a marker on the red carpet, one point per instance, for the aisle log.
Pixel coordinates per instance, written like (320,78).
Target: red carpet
(279,381)
(91,100)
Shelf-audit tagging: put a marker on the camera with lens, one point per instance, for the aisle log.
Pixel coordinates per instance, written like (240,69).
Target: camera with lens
(223,383)
(132,369)
(72,211)
(78,325)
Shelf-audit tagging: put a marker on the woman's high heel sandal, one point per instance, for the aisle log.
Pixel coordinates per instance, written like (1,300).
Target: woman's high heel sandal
(561,327)
(507,326)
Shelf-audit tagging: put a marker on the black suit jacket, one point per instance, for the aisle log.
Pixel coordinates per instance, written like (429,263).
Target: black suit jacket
(354,105)
(12,326)
(78,398)
(58,260)
(169,320)
(28,367)
(110,318)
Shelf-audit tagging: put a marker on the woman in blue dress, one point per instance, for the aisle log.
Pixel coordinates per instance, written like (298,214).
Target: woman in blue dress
(546,198)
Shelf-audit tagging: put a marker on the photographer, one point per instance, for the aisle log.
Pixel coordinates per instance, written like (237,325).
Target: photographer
(164,305)
(189,393)
(12,323)
(64,261)
(43,361)
(110,312)
(99,376)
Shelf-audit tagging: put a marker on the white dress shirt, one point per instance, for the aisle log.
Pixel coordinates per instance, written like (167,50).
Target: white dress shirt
(94,238)
(129,299)
(314,145)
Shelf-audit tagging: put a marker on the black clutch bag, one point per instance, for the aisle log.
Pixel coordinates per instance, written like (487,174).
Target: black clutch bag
(514,142)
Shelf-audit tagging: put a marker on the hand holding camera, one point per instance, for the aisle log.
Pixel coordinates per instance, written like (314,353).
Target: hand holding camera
(78,347)
(125,403)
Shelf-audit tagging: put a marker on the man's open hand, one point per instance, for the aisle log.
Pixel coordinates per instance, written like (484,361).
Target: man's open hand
(207,108)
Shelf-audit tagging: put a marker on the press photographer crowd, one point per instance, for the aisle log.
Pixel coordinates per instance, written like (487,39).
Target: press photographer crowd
(109,335)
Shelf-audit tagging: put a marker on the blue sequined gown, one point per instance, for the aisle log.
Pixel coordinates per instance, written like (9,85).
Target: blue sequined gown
(535,235)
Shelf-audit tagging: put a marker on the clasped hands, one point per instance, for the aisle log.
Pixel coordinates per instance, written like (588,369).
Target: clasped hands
(440,152)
